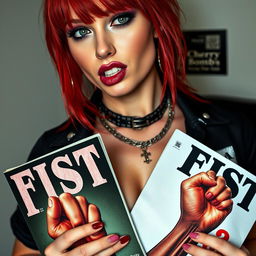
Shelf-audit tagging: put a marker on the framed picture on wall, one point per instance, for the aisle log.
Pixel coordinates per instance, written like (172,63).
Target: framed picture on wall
(206,51)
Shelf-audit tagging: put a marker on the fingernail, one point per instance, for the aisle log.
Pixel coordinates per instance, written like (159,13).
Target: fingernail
(211,177)
(186,246)
(209,195)
(215,202)
(50,202)
(97,225)
(125,239)
(220,207)
(113,238)
(194,235)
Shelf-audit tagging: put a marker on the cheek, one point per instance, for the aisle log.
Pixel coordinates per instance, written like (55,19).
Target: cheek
(80,59)
(80,55)
(140,46)
(84,60)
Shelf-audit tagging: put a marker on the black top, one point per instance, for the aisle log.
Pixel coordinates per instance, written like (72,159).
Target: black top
(209,123)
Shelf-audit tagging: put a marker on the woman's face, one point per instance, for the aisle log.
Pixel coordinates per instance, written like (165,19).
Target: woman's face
(116,53)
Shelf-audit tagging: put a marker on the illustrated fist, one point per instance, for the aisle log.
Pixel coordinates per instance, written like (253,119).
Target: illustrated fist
(67,212)
(205,200)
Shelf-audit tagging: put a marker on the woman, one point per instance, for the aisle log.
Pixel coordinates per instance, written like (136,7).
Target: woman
(132,55)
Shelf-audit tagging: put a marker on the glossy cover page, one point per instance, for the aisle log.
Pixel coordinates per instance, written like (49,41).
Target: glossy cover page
(80,169)
(176,193)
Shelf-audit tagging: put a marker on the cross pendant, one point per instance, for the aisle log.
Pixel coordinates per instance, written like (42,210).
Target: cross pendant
(146,155)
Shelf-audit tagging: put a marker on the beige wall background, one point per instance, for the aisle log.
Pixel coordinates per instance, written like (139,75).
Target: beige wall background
(30,101)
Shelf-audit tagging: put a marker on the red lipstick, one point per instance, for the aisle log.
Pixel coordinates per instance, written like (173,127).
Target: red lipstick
(112,73)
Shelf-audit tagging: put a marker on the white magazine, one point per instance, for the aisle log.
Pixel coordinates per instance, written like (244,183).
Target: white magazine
(157,209)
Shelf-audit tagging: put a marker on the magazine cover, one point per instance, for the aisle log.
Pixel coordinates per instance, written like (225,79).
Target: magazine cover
(176,193)
(81,169)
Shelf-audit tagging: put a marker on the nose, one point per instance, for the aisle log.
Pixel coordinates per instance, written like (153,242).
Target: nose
(104,47)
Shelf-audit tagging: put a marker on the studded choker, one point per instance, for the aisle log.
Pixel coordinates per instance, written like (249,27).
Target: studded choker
(134,121)
(143,145)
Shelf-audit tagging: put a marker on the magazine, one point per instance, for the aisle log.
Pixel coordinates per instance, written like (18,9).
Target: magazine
(161,202)
(79,169)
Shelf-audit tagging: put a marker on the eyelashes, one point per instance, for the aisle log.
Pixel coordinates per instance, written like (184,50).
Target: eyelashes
(123,19)
(78,33)
(118,21)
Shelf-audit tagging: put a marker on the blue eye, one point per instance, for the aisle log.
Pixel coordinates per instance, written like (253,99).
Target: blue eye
(123,19)
(79,33)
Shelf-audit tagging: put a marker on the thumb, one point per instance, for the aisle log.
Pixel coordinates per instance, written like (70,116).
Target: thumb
(54,212)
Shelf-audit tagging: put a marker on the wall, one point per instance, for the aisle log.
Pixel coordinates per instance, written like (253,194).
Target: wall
(238,17)
(30,101)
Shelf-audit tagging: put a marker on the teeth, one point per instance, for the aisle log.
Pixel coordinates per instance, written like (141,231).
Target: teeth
(112,72)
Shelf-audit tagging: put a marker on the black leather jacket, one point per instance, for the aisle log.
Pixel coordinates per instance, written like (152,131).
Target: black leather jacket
(224,130)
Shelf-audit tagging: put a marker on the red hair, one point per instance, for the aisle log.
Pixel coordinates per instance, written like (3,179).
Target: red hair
(163,14)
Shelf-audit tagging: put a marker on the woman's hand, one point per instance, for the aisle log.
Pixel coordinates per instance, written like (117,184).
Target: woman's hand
(104,246)
(77,228)
(205,200)
(218,246)
(205,203)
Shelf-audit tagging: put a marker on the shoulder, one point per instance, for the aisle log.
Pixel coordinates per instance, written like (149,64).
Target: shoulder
(57,137)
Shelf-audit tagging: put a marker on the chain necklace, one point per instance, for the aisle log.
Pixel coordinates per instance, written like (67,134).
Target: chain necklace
(143,145)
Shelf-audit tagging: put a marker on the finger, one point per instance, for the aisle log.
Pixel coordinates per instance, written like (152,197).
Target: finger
(84,207)
(96,246)
(66,240)
(221,246)
(214,191)
(225,205)
(72,209)
(94,215)
(195,250)
(53,218)
(124,240)
(211,174)
(224,195)
(198,180)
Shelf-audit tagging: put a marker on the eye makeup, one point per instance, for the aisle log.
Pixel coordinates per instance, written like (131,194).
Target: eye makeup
(123,19)
(78,33)
(119,20)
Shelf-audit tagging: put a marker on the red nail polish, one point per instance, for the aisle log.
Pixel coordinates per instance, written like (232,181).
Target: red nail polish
(220,207)
(125,239)
(209,196)
(194,235)
(113,238)
(215,202)
(186,246)
(97,225)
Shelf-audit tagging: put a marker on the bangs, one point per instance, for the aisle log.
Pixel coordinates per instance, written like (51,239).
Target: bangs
(165,18)
(88,10)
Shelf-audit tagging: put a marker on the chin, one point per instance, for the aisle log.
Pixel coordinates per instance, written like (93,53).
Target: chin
(118,90)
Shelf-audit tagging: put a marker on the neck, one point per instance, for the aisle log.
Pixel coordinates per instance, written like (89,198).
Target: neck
(140,102)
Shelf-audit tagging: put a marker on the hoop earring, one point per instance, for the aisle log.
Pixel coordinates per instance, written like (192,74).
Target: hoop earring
(159,60)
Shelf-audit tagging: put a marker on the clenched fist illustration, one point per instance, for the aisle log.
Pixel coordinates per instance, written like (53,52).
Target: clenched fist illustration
(205,200)
(66,212)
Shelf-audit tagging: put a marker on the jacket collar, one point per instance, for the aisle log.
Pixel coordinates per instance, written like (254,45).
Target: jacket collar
(198,115)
